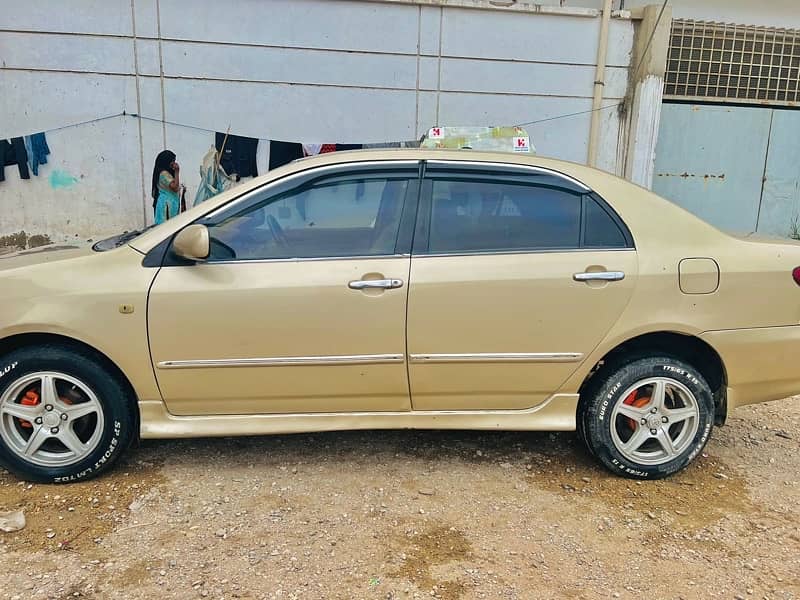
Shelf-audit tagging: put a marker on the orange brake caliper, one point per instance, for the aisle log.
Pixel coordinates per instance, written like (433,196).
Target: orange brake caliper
(632,400)
(31,398)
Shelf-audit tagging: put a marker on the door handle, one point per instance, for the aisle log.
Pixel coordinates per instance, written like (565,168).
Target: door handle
(373,284)
(600,276)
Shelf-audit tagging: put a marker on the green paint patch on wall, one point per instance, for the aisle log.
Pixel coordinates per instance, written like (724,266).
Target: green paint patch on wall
(61,180)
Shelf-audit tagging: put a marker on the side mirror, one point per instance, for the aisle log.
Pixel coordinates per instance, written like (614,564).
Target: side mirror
(192,243)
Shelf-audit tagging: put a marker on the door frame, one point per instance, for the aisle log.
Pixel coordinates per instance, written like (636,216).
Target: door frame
(161,255)
(410,170)
(548,178)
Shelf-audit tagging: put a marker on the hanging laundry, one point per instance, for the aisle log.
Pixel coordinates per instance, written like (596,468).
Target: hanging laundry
(314,149)
(238,155)
(13,153)
(282,153)
(262,156)
(311,149)
(213,178)
(37,149)
(408,144)
(383,145)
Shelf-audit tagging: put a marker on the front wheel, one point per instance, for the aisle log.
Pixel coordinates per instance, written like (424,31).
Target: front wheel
(63,416)
(648,419)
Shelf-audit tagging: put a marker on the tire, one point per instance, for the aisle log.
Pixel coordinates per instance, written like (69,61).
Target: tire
(647,419)
(581,427)
(63,415)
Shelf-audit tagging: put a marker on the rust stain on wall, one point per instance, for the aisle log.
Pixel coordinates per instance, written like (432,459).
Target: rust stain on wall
(23,241)
(686,175)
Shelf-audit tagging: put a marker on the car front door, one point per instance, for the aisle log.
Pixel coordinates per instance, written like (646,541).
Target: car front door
(300,307)
(516,276)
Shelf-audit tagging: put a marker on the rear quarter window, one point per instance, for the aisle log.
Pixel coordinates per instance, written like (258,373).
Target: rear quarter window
(601,230)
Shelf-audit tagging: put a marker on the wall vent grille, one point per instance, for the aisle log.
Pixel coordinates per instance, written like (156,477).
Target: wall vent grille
(733,63)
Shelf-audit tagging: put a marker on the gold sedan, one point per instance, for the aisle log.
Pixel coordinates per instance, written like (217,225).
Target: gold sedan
(399,289)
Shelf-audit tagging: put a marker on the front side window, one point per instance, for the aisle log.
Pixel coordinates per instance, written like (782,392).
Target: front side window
(338,217)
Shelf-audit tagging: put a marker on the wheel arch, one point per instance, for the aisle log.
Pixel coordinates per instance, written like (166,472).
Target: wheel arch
(688,348)
(24,340)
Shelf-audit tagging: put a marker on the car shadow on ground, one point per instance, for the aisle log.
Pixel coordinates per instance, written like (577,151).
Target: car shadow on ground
(555,462)
(384,445)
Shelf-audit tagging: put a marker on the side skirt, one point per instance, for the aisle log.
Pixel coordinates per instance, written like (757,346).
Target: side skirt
(557,413)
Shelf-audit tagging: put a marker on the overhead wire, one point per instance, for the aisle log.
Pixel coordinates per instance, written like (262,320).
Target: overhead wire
(632,78)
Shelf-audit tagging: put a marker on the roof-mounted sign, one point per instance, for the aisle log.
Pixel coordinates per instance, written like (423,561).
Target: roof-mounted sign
(496,139)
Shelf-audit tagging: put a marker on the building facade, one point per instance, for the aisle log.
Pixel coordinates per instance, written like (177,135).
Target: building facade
(113,83)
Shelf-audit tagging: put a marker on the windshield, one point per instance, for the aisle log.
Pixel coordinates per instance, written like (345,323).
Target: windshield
(115,241)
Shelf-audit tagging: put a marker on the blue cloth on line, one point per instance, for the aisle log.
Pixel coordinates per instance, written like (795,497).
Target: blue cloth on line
(37,149)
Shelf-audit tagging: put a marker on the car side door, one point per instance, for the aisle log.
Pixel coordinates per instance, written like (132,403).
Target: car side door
(300,307)
(517,274)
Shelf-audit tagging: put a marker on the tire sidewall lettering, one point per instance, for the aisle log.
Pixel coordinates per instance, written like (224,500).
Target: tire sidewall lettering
(7,369)
(701,444)
(607,400)
(628,470)
(113,445)
(75,477)
(680,372)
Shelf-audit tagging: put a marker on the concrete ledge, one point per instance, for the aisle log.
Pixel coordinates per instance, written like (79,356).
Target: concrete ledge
(511,6)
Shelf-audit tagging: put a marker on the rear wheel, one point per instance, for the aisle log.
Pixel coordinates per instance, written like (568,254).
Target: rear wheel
(63,415)
(649,418)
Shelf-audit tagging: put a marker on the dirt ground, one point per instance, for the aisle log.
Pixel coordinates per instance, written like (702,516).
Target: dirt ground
(404,514)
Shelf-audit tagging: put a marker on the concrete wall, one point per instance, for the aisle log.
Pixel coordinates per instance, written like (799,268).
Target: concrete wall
(298,70)
(772,13)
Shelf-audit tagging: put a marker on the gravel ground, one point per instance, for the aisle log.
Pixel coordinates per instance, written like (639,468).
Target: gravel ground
(410,514)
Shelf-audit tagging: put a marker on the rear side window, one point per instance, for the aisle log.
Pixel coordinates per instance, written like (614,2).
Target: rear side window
(474,216)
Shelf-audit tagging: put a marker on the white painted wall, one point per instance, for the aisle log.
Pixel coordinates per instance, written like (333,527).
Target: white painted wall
(771,13)
(299,70)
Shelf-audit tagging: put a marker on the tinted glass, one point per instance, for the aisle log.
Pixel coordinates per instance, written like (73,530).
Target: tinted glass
(357,217)
(601,230)
(473,216)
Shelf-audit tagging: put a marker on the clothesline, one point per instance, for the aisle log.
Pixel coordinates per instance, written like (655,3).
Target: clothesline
(198,128)
(573,114)
(77,124)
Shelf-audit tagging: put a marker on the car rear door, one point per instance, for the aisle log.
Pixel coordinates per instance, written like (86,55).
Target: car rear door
(517,274)
(301,306)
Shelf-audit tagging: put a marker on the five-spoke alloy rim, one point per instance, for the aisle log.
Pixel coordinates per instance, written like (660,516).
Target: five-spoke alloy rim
(656,421)
(50,419)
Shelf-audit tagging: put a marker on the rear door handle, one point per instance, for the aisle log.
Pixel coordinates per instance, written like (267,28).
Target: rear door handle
(370,284)
(600,276)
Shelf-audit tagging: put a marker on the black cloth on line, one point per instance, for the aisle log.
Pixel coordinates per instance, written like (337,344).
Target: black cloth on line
(282,153)
(239,154)
(14,153)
